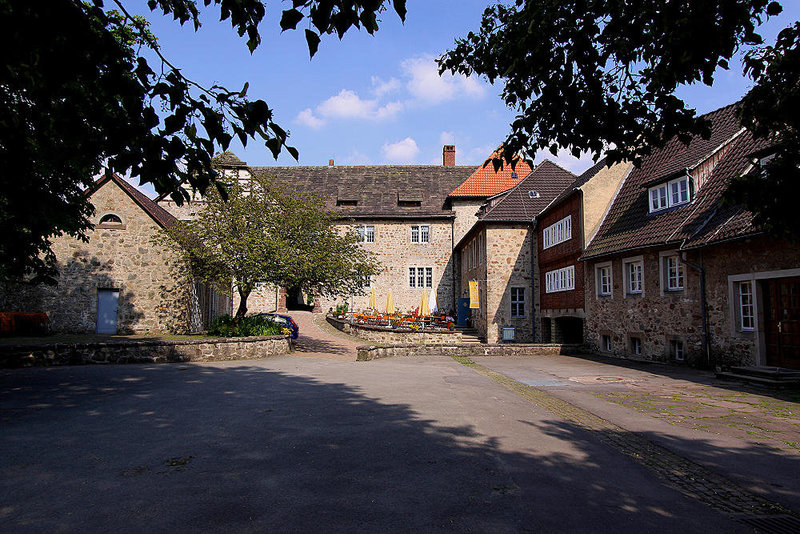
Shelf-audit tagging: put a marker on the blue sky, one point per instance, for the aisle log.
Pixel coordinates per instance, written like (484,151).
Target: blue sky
(377,99)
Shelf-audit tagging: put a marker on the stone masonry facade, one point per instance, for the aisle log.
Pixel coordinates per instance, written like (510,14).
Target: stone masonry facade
(656,317)
(155,295)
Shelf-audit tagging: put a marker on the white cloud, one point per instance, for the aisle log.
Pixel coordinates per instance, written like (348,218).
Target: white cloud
(307,118)
(400,152)
(426,85)
(348,105)
(447,138)
(565,158)
(380,87)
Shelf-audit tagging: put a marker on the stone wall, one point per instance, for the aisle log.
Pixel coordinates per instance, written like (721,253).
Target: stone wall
(206,350)
(656,316)
(395,251)
(466,216)
(155,294)
(374,352)
(758,259)
(509,264)
(397,335)
(475,269)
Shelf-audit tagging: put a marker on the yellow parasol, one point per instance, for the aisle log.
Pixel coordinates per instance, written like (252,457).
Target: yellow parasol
(372,305)
(389,303)
(424,309)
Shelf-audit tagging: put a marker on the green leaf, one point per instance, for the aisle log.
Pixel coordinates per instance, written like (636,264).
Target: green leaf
(290,18)
(313,41)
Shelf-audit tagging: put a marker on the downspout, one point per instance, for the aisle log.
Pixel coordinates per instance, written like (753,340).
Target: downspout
(703,307)
(534,262)
(453,267)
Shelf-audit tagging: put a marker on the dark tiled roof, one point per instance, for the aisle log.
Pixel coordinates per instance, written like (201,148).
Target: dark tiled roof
(485,182)
(547,179)
(587,175)
(629,224)
(161,216)
(227,159)
(377,189)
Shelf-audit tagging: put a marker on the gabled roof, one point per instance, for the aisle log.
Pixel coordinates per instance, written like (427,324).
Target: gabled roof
(587,175)
(227,159)
(161,216)
(377,189)
(485,182)
(629,225)
(547,179)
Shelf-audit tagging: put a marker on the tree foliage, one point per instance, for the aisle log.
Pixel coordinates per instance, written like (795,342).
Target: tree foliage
(76,95)
(600,76)
(263,235)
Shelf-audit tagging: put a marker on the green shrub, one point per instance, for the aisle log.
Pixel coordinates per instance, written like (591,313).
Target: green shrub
(341,309)
(254,325)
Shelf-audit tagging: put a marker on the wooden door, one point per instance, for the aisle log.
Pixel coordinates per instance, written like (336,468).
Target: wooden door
(782,321)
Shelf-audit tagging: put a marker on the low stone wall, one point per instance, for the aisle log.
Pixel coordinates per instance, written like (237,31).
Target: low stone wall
(156,351)
(374,352)
(382,334)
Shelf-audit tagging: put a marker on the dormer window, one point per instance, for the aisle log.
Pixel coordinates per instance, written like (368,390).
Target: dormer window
(672,193)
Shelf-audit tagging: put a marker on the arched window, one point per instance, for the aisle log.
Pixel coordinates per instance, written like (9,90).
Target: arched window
(110,220)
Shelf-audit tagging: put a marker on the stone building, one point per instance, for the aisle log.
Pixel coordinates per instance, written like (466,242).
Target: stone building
(674,274)
(563,229)
(402,213)
(120,280)
(498,253)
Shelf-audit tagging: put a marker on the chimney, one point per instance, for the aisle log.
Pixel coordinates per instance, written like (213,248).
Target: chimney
(449,156)
(330,163)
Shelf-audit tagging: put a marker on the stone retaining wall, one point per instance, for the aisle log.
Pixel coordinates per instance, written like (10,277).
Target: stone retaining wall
(156,351)
(374,352)
(382,334)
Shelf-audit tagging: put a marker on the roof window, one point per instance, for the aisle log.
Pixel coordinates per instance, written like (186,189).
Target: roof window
(667,195)
(533,194)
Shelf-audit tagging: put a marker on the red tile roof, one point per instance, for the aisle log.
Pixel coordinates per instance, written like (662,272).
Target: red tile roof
(630,225)
(547,179)
(485,182)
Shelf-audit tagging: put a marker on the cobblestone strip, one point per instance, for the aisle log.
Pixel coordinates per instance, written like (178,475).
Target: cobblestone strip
(676,471)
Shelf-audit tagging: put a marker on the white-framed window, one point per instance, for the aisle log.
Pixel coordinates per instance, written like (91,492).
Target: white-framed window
(676,350)
(673,269)
(420,277)
(367,233)
(557,232)
(605,343)
(634,276)
(420,233)
(602,274)
(636,346)
(517,302)
(673,193)
(366,282)
(747,316)
(560,279)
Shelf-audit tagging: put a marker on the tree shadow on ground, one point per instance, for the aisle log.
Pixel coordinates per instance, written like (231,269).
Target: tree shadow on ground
(245,448)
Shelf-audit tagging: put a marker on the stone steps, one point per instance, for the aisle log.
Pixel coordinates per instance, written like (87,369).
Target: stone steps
(774,377)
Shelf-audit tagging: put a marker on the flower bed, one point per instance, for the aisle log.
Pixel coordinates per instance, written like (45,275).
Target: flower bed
(391,329)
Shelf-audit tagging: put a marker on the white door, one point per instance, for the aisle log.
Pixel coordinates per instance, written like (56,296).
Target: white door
(107,300)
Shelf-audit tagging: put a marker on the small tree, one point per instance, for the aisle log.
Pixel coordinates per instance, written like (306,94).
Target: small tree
(262,234)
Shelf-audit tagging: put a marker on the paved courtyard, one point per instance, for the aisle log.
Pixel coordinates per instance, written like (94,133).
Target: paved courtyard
(312,442)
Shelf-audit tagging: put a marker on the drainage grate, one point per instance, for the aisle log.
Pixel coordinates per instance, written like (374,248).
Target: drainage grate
(773,524)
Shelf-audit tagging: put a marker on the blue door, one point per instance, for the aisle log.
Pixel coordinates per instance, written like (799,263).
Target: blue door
(463,312)
(107,301)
